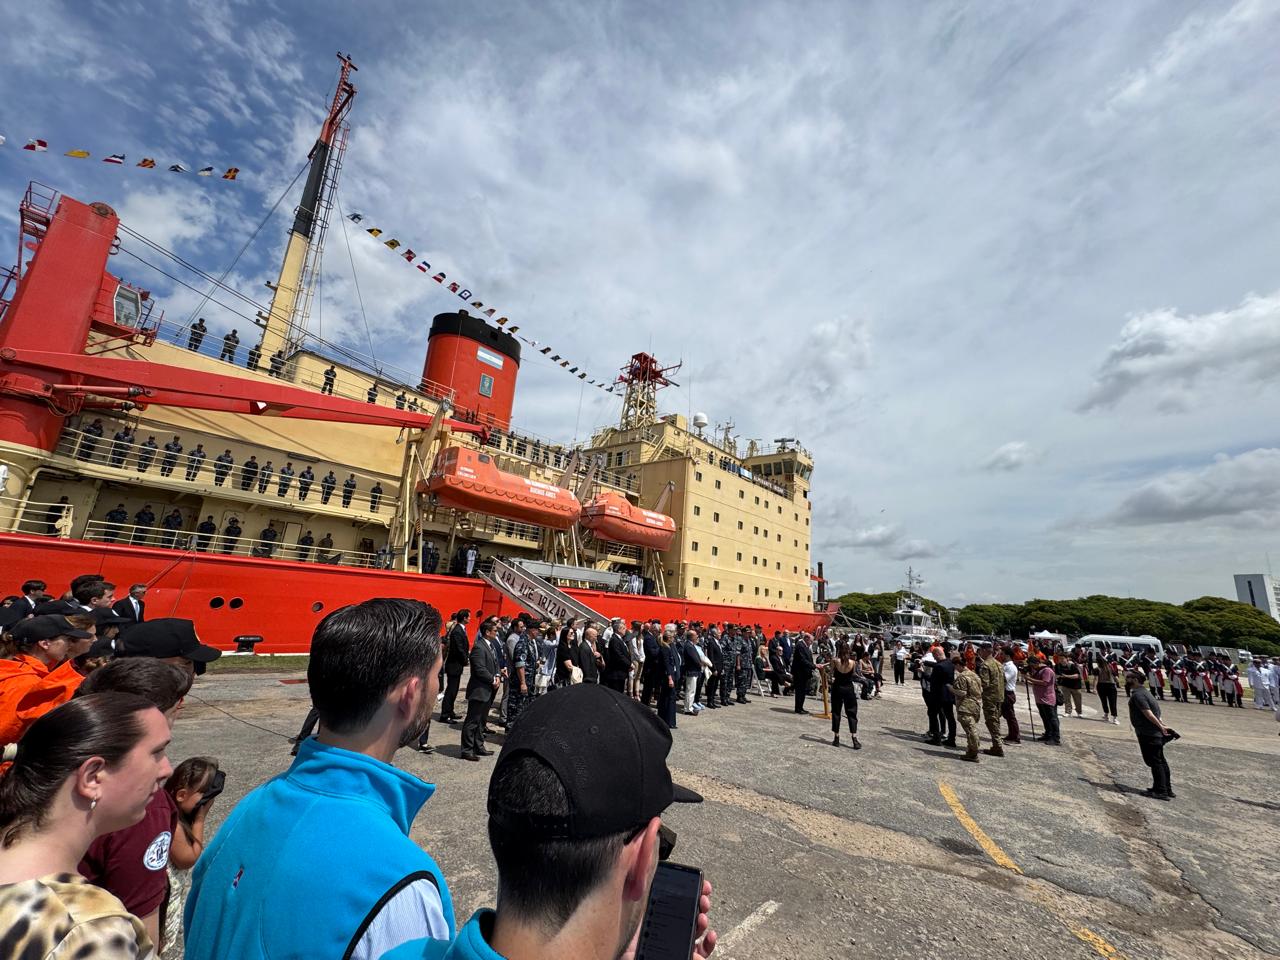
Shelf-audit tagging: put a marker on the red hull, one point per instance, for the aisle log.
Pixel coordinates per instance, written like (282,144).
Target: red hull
(282,600)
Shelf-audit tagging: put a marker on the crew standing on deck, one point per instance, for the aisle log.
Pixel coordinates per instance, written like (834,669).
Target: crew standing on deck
(222,465)
(326,487)
(305,479)
(229,344)
(170,459)
(348,490)
(330,375)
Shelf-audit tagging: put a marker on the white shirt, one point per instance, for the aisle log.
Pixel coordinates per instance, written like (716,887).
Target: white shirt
(413,913)
(1010,676)
(900,653)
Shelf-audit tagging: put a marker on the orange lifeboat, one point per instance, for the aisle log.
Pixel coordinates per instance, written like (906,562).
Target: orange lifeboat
(469,480)
(612,516)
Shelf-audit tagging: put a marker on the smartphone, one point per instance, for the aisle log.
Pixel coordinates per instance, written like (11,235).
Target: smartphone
(670,920)
(215,787)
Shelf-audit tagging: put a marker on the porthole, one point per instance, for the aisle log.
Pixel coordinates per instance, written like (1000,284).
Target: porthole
(317,607)
(216,602)
(236,603)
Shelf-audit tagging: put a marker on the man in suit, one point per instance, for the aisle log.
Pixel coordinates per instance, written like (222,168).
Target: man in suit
(801,670)
(32,597)
(132,607)
(457,653)
(481,687)
(588,657)
(617,658)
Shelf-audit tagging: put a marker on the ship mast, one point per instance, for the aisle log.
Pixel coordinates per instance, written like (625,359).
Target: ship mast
(282,326)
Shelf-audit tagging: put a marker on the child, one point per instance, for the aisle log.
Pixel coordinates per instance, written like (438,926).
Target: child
(193,785)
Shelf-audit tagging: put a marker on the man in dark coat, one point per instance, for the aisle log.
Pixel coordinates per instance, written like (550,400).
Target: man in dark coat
(481,686)
(617,658)
(653,668)
(457,653)
(802,668)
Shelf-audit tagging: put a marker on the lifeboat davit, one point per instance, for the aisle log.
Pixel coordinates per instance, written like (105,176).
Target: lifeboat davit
(611,516)
(469,480)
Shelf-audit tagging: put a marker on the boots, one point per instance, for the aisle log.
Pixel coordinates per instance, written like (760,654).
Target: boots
(971,755)
(835,741)
(995,750)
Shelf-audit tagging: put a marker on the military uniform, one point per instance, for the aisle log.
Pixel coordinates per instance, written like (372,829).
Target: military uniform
(967,688)
(991,673)
(524,656)
(746,663)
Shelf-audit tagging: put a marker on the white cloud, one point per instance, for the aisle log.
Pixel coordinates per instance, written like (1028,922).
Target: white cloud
(913,550)
(1168,351)
(1010,456)
(169,215)
(880,535)
(1241,487)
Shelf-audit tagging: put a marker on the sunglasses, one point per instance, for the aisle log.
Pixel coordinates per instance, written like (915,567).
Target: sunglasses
(666,840)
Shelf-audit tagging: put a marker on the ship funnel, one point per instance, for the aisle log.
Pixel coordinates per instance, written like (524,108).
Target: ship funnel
(477,362)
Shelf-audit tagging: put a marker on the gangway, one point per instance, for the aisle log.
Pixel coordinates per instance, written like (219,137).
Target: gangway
(540,597)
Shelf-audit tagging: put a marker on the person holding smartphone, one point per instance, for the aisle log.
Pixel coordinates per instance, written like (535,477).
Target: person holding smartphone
(575,825)
(193,786)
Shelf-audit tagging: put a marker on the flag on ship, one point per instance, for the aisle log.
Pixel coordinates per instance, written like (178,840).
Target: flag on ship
(116,158)
(205,172)
(146,162)
(392,243)
(39,146)
(231,174)
(177,168)
(78,154)
(374,232)
(355,217)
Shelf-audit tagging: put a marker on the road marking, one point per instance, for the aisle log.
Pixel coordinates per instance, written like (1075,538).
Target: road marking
(992,849)
(756,917)
(989,846)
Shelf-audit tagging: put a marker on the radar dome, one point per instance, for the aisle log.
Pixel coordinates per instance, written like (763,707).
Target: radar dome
(700,420)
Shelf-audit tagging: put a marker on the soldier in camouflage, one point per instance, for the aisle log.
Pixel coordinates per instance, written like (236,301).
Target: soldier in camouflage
(524,665)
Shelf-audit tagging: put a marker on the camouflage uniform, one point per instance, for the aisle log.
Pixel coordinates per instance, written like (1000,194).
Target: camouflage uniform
(991,672)
(967,688)
(524,655)
(746,664)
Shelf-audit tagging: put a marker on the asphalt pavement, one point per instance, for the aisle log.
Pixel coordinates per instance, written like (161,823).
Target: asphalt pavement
(899,849)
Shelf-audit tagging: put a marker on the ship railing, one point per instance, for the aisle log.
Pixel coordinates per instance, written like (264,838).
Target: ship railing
(39,517)
(137,462)
(537,452)
(132,534)
(211,345)
(497,526)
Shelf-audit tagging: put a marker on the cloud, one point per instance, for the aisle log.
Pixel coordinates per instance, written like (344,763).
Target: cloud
(1163,349)
(880,535)
(169,215)
(1246,485)
(1011,456)
(913,550)
(1196,39)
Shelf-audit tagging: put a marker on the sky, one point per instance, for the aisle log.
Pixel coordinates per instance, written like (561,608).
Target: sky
(1011,272)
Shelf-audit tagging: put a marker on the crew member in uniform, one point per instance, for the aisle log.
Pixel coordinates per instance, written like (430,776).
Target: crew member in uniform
(524,663)
(195,461)
(222,465)
(348,490)
(746,664)
(116,519)
(264,478)
(330,375)
(120,444)
(305,479)
(327,483)
(966,688)
(147,455)
(286,478)
(991,673)
(249,473)
(170,459)
(206,530)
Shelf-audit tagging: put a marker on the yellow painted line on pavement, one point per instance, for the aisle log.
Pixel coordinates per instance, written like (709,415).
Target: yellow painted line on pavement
(1099,944)
(989,846)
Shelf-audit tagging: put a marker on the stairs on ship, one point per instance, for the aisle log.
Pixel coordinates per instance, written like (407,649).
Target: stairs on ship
(522,584)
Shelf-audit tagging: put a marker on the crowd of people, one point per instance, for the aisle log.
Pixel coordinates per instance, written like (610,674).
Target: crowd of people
(103,850)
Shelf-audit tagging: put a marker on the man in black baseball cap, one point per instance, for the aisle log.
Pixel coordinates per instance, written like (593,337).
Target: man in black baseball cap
(169,639)
(41,674)
(575,806)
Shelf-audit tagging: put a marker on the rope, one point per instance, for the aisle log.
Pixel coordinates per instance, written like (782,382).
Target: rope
(342,219)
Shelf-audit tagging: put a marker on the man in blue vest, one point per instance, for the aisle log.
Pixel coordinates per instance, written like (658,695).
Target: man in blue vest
(575,825)
(318,862)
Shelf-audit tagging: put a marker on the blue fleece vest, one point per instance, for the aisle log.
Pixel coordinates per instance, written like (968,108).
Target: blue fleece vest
(303,861)
(470,945)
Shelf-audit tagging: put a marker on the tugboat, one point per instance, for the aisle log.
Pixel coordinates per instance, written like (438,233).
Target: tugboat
(294,475)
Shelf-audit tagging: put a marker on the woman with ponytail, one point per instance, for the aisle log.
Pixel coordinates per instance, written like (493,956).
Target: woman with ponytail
(87,768)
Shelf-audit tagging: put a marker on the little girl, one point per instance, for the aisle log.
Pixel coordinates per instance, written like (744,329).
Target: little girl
(193,785)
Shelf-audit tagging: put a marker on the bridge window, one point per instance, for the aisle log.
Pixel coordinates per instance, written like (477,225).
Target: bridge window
(128,307)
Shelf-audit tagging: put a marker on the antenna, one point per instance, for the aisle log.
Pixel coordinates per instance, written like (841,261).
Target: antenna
(643,376)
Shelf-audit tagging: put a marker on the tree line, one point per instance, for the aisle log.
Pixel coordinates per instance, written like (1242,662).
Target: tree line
(1206,621)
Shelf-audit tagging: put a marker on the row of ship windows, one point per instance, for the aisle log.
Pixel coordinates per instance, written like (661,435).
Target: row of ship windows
(742,495)
(715,585)
(715,518)
(755,561)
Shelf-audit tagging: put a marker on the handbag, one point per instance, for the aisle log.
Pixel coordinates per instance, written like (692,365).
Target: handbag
(575,674)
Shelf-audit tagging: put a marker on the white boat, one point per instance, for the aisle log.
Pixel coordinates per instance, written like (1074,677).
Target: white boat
(911,622)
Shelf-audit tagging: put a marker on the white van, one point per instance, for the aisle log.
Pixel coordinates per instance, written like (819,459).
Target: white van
(1146,642)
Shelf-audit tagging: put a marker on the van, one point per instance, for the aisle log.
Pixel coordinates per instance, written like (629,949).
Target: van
(1145,643)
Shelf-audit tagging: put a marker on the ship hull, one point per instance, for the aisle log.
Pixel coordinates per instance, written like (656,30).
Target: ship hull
(281,601)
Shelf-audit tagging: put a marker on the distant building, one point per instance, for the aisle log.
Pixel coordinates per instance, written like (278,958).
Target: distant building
(1259,590)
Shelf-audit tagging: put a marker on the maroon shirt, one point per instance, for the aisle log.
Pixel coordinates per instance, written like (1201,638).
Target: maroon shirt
(131,862)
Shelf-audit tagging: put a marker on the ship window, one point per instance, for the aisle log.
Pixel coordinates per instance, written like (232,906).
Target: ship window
(128,307)
(715,584)
(797,596)
(216,602)
(797,516)
(766,591)
(697,510)
(717,484)
(715,518)
(795,543)
(695,581)
(486,385)
(715,551)
(779,509)
(757,501)
(739,588)
(778,565)
(236,603)
(483,458)
(697,475)
(779,538)
(768,469)
(695,546)
(317,607)
(756,531)
(766,504)
(757,591)
(806,521)
(766,533)
(742,495)
(795,570)
(739,524)
(739,556)
(755,561)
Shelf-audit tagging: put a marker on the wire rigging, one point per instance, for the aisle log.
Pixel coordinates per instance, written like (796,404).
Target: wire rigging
(342,219)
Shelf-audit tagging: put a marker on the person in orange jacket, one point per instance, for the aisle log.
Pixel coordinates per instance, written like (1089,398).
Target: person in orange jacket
(41,675)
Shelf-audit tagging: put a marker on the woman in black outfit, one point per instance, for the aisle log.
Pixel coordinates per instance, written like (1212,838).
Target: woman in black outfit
(844,693)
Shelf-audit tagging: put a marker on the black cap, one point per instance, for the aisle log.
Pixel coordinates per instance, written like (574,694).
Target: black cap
(609,753)
(168,637)
(106,617)
(47,627)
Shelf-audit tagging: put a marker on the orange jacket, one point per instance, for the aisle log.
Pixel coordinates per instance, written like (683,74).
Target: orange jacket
(29,690)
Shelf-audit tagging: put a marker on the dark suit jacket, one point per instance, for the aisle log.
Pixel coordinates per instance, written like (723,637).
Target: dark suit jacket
(802,660)
(124,608)
(65,607)
(484,667)
(586,662)
(458,651)
(617,658)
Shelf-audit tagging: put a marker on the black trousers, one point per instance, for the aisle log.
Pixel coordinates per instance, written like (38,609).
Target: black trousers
(713,689)
(846,699)
(616,683)
(899,671)
(667,703)
(802,689)
(942,721)
(473,725)
(649,679)
(1049,715)
(1153,757)
(1107,694)
(450,694)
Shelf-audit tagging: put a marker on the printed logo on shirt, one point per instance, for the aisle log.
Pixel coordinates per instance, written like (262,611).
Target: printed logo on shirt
(157,855)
